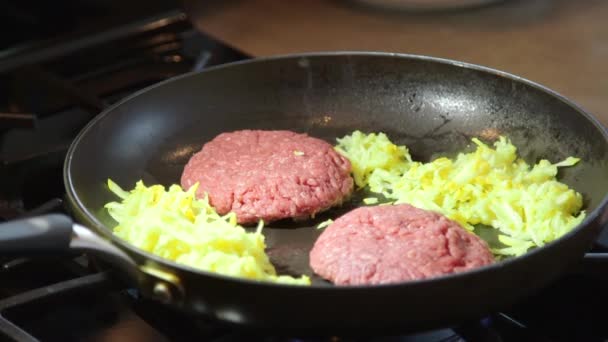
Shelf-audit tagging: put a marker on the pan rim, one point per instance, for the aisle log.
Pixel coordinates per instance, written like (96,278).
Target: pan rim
(100,227)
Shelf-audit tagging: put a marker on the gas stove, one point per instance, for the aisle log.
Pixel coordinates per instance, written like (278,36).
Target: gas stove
(51,89)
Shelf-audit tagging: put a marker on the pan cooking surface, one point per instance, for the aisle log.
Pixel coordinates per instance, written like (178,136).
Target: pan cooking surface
(433,108)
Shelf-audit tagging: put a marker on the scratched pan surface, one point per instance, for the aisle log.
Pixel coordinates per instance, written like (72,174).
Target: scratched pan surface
(433,106)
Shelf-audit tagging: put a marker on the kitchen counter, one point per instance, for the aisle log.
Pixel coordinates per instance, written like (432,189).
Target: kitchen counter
(561,44)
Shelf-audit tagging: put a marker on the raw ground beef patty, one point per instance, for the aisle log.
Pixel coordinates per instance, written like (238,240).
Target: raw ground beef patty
(269,175)
(394,243)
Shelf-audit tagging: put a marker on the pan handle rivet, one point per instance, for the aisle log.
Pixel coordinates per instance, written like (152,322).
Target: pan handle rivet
(162,292)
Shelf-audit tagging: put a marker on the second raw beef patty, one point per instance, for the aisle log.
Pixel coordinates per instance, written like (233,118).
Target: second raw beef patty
(394,243)
(269,175)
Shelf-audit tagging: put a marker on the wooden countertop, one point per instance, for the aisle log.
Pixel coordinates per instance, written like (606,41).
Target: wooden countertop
(562,44)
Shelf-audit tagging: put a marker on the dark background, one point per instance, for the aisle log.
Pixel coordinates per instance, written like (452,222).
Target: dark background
(30,21)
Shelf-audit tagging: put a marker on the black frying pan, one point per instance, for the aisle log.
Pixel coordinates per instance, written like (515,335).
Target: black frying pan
(431,105)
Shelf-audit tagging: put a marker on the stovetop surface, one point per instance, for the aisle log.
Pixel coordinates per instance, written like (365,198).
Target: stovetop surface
(28,25)
(46,98)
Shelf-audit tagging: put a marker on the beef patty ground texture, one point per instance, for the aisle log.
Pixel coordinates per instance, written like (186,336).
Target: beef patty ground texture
(395,243)
(269,175)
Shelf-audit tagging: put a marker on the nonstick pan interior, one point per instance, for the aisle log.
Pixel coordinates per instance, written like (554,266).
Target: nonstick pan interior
(433,106)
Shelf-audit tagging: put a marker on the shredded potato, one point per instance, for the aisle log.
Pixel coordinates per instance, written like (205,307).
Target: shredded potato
(370,200)
(325,223)
(372,152)
(175,225)
(489,186)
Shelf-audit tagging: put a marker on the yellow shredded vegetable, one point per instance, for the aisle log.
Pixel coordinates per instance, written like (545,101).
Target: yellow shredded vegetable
(371,152)
(490,186)
(325,223)
(370,200)
(175,225)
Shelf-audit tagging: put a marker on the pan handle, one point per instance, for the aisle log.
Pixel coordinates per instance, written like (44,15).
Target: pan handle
(43,234)
(56,233)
